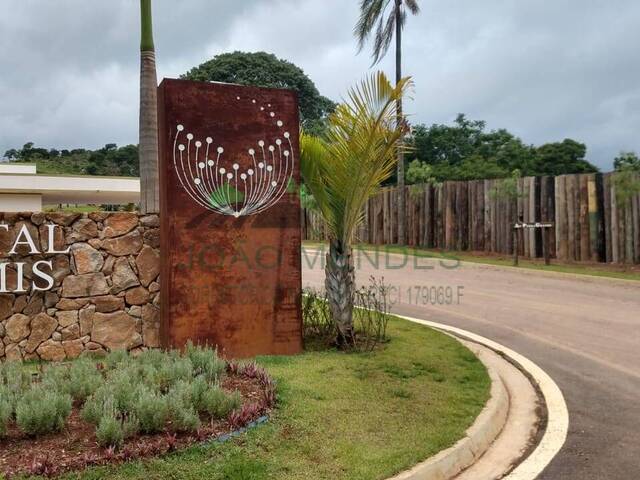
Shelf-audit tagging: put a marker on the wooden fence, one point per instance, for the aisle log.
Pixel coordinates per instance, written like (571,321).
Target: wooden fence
(591,223)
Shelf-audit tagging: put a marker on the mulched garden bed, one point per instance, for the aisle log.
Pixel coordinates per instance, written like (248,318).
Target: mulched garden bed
(75,447)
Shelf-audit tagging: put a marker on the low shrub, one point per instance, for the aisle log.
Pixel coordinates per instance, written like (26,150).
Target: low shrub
(80,380)
(6,412)
(130,425)
(184,417)
(206,362)
(109,432)
(219,404)
(152,411)
(122,395)
(171,372)
(199,388)
(116,359)
(14,377)
(41,410)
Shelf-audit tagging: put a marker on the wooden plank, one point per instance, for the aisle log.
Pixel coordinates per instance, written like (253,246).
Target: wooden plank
(615,245)
(464,216)
(440,217)
(481,213)
(576,206)
(628,231)
(471,200)
(525,214)
(606,194)
(426,229)
(600,200)
(551,209)
(585,231)
(561,217)
(592,216)
(636,228)
(570,187)
(537,213)
(492,213)
(544,201)
(532,215)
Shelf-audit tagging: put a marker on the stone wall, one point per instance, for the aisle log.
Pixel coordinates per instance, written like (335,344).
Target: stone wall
(106,288)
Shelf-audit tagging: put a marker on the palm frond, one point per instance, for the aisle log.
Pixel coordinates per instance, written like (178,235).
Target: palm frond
(383,37)
(370,13)
(379,16)
(413,6)
(347,166)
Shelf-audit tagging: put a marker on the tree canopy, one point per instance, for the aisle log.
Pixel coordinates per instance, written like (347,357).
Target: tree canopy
(263,69)
(466,151)
(627,161)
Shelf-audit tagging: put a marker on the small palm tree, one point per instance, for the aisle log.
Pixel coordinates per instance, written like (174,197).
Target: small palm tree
(373,16)
(148,127)
(343,169)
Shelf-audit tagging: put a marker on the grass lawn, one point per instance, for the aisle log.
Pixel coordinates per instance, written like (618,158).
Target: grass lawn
(624,272)
(343,416)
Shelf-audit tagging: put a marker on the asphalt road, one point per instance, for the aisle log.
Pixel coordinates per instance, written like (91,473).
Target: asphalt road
(583,331)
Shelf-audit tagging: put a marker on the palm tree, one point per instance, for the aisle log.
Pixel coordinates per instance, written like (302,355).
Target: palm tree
(343,169)
(148,127)
(373,15)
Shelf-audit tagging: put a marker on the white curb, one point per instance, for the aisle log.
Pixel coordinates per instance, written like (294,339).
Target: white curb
(557,414)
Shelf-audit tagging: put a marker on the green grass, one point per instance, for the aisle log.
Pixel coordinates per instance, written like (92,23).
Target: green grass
(624,272)
(343,416)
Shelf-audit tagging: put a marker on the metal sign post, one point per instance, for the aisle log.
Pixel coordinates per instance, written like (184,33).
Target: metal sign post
(521,226)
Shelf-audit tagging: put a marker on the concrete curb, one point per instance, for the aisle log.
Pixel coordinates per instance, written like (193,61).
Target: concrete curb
(557,416)
(478,438)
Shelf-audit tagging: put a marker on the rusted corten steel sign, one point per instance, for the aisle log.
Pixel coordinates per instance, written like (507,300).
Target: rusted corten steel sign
(230,218)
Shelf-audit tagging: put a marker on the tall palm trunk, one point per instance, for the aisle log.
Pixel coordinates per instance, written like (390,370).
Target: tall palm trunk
(148,126)
(401,192)
(339,285)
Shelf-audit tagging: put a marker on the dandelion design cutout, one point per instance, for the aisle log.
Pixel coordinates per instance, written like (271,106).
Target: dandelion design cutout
(224,187)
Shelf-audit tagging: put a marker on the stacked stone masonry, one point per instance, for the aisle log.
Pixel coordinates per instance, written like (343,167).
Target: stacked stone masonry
(106,292)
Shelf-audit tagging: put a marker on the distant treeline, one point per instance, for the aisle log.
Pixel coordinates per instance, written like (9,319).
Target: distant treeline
(462,151)
(109,160)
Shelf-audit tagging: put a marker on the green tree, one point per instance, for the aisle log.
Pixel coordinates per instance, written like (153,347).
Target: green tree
(148,126)
(261,69)
(626,178)
(11,154)
(419,172)
(465,151)
(625,160)
(387,18)
(561,158)
(343,169)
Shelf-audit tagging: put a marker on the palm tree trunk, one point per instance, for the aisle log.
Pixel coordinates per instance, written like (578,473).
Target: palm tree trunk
(339,285)
(148,126)
(401,192)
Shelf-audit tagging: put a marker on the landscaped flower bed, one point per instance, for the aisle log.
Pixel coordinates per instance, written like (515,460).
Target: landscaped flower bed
(60,417)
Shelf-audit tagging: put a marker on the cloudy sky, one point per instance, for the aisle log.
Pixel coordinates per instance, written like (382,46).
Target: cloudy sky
(544,70)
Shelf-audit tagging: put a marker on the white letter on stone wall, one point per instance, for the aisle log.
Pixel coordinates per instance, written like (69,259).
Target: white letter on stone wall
(40,274)
(28,241)
(20,275)
(3,278)
(52,247)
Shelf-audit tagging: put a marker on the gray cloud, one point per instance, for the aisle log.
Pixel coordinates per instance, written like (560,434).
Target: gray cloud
(543,70)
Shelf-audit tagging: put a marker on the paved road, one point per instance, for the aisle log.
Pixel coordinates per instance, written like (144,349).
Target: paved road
(583,331)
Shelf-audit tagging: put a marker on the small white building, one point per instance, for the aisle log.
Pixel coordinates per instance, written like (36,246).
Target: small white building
(22,189)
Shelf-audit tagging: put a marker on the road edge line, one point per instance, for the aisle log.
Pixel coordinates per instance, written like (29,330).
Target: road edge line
(557,426)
